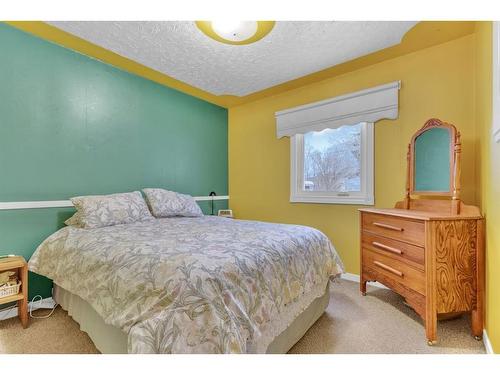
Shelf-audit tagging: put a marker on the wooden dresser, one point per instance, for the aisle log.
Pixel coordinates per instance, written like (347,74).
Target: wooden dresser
(430,251)
(435,261)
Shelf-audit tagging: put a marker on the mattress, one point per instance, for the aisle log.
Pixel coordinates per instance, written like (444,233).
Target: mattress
(111,340)
(193,285)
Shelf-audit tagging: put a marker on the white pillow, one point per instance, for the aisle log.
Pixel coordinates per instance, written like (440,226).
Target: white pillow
(165,203)
(95,211)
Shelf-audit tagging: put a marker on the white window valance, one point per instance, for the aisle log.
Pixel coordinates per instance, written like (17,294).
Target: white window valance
(368,105)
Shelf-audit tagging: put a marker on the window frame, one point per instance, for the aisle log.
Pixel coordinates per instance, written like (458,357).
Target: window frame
(365,197)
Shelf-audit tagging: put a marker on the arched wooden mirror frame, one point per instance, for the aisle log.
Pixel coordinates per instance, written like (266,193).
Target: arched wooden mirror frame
(455,165)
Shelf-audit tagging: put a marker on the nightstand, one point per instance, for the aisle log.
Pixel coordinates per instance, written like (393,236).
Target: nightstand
(19,265)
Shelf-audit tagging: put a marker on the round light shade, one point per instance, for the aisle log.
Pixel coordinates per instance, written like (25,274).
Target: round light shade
(236,32)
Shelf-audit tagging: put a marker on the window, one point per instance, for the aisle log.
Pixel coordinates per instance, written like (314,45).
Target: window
(331,161)
(333,165)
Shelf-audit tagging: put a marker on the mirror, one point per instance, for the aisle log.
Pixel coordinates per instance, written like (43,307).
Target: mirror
(432,159)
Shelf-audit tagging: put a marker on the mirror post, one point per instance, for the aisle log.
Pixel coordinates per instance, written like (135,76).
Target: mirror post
(407,195)
(455,200)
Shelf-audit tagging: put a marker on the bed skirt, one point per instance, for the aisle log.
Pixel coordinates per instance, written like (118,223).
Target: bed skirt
(111,340)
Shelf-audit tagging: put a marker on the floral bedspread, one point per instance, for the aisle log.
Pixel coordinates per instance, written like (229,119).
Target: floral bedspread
(193,285)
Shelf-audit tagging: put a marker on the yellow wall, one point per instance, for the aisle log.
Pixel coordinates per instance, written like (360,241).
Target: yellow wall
(436,82)
(489,168)
(451,81)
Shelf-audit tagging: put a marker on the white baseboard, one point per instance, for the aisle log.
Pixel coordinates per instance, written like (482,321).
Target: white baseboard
(11,312)
(355,278)
(487,343)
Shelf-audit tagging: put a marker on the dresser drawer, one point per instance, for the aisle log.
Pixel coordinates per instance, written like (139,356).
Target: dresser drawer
(394,269)
(395,249)
(394,227)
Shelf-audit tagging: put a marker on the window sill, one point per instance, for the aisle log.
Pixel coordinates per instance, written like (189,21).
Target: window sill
(364,201)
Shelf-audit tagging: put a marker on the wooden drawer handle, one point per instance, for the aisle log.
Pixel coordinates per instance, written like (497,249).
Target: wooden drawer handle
(388,248)
(387,268)
(387,226)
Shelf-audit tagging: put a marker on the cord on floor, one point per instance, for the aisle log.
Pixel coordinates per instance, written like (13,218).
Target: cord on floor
(43,316)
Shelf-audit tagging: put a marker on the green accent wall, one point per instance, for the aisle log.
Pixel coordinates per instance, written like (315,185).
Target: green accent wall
(71,125)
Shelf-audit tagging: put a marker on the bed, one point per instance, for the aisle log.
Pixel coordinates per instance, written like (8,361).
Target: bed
(191,285)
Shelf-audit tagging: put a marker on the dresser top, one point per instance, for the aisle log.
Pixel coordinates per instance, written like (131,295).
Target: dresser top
(419,215)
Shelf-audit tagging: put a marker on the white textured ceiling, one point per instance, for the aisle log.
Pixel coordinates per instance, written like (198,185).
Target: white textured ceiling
(293,49)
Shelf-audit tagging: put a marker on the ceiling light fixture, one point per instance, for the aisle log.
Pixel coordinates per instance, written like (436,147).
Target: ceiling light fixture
(236,32)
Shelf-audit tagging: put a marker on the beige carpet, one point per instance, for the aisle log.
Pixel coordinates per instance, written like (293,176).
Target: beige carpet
(377,323)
